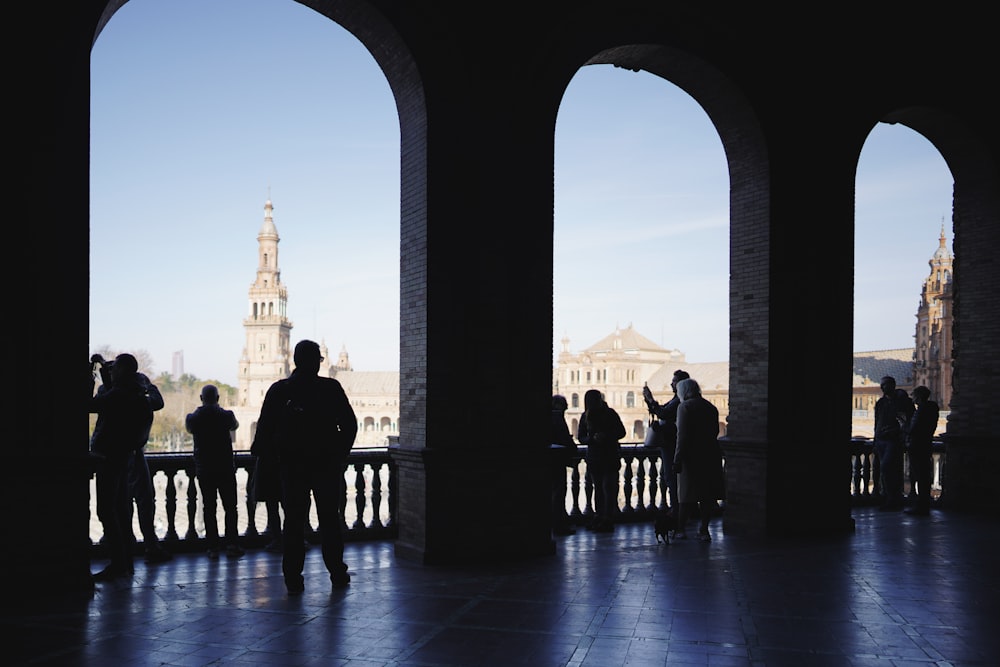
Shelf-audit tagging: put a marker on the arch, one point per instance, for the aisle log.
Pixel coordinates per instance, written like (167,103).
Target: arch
(390,52)
(975,217)
(749,217)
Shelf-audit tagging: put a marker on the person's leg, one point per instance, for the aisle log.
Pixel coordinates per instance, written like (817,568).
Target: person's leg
(327,489)
(611,494)
(208,483)
(112,499)
(273,529)
(227,495)
(295,502)
(593,475)
(600,500)
(141,488)
(894,474)
(883,453)
(683,512)
(669,476)
(705,514)
(921,471)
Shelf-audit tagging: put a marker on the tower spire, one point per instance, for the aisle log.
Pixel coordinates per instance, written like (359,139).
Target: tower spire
(267,355)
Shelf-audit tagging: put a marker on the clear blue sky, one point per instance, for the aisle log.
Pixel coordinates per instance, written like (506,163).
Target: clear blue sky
(195,123)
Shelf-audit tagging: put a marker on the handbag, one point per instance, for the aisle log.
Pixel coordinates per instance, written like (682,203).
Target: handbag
(264,484)
(654,438)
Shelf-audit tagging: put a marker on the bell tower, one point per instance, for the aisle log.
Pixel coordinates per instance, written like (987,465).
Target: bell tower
(266,357)
(933,339)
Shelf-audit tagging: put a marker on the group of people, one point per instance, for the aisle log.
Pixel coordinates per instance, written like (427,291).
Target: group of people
(687,432)
(124,403)
(307,428)
(905,425)
(691,460)
(305,432)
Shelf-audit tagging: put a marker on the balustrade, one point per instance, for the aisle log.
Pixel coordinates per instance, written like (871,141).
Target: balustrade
(866,486)
(369,503)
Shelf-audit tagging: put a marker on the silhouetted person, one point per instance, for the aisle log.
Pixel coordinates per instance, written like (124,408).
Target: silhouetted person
(890,418)
(920,434)
(307,421)
(212,428)
(601,429)
(666,433)
(123,420)
(140,482)
(697,459)
(563,457)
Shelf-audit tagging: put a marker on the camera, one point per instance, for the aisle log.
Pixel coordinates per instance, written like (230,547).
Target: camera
(99,364)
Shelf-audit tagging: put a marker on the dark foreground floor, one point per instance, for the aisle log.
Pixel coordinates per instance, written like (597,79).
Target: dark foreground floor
(901,590)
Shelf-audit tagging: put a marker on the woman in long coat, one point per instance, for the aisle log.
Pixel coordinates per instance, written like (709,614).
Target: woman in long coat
(697,458)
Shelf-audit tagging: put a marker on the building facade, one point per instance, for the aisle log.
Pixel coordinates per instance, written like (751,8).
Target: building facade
(933,340)
(619,364)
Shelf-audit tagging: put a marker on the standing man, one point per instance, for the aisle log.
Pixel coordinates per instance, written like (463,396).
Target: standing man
(212,427)
(890,418)
(140,482)
(920,433)
(123,419)
(666,432)
(309,424)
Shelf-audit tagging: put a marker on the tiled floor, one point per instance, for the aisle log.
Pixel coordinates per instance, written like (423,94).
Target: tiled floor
(901,590)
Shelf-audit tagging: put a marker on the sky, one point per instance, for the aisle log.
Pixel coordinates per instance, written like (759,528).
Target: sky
(195,124)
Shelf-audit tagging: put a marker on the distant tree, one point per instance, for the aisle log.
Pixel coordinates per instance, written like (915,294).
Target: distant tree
(187,381)
(165,382)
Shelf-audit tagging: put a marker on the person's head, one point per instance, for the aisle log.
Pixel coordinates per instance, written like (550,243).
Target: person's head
(307,357)
(688,389)
(124,368)
(592,400)
(921,394)
(559,403)
(209,394)
(678,376)
(888,385)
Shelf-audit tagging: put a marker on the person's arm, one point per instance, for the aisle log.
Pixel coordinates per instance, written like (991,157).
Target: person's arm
(347,420)
(565,437)
(153,394)
(681,449)
(263,441)
(583,431)
(619,432)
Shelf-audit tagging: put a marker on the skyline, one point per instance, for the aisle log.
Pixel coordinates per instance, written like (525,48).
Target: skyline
(195,124)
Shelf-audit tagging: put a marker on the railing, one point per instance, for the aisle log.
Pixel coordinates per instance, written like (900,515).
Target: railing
(370,502)
(866,487)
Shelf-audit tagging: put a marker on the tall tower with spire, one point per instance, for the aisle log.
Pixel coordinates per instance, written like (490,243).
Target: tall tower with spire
(933,338)
(267,355)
